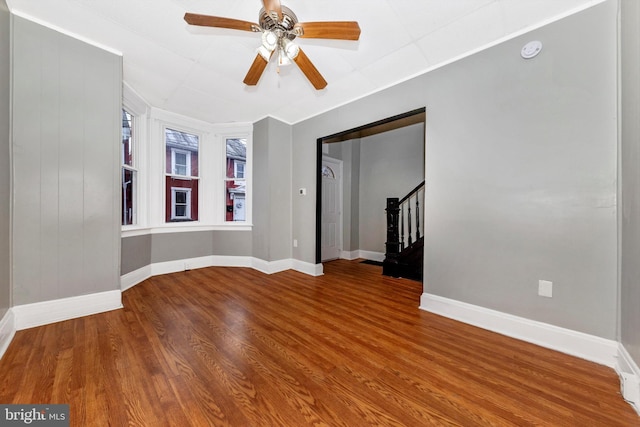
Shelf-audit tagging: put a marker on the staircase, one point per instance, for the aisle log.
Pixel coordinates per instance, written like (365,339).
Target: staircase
(404,258)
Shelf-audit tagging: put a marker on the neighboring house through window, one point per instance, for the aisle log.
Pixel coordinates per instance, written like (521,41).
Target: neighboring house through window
(235,179)
(181,185)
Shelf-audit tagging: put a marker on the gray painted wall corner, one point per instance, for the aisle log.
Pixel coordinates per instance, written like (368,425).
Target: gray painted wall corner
(629,216)
(5,158)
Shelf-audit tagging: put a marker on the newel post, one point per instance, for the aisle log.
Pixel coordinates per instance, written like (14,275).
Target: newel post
(392,245)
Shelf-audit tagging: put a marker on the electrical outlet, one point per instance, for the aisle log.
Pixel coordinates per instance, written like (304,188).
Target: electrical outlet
(545,288)
(295,243)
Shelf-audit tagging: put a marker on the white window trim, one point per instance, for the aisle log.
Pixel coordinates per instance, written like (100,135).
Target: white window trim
(187,155)
(235,168)
(174,190)
(139,109)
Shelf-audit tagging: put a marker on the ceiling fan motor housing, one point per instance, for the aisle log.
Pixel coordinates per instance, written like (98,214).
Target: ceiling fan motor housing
(281,28)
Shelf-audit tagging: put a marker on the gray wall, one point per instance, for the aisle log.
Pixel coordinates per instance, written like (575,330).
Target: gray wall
(391,165)
(520,171)
(272,192)
(141,251)
(66,121)
(630,179)
(5,163)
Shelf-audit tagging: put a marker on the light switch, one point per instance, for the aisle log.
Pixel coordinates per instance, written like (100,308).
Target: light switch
(545,288)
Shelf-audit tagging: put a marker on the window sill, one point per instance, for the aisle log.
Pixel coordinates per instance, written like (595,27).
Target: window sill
(183,228)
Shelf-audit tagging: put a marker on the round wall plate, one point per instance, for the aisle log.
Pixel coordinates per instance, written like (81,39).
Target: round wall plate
(531,49)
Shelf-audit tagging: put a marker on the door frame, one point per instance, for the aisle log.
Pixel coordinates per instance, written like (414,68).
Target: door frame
(384,125)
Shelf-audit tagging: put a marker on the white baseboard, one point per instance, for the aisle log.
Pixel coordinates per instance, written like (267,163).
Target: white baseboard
(370,255)
(629,374)
(271,267)
(42,313)
(307,268)
(7,331)
(349,255)
(268,267)
(585,346)
(134,277)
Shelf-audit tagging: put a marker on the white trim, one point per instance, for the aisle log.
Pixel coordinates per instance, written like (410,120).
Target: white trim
(349,255)
(307,267)
(7,331)
(629,374)
(131,231)
(271,267)
(65,32)
(42,313)
(585,346)
(370,255)
(132,278)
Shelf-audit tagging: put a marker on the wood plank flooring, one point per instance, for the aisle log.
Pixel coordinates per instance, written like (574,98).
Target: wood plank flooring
(235,347)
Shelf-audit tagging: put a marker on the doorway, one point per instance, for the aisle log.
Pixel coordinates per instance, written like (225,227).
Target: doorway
(380,126)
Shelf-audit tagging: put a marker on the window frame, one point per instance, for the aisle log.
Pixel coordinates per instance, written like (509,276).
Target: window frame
(124,167)
(187,166)
(248,174)
(174,216)
(199,133)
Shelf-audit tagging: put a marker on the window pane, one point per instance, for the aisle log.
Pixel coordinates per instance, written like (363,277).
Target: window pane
(128,197)
(236,154)
(239,170)
(181,197)
(181,153)
(181,211)
(126,155)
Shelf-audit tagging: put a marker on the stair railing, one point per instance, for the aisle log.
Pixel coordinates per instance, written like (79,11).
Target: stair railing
(400,220)
(409,215)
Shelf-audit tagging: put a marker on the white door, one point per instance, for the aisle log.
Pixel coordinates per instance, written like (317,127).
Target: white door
(331,242)
(238,207)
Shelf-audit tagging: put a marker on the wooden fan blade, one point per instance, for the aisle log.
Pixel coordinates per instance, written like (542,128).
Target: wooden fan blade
(310,70)
(341,30)
(256,70)
(273,6)
(219,22)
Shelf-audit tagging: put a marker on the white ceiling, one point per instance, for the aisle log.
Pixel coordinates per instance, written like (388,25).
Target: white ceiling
(198,72)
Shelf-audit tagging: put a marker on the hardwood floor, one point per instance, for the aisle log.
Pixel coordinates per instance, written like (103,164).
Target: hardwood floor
(235,347)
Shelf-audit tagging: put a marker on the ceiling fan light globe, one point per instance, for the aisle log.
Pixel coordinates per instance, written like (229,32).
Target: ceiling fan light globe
(265,53)
(290,49)
(283,59)
(269,40)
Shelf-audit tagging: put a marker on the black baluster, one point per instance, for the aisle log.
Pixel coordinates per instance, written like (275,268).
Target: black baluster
(402,226)
(417,215)
(409,220)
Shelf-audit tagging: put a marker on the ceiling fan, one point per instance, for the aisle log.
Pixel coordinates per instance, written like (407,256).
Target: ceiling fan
(279,27)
